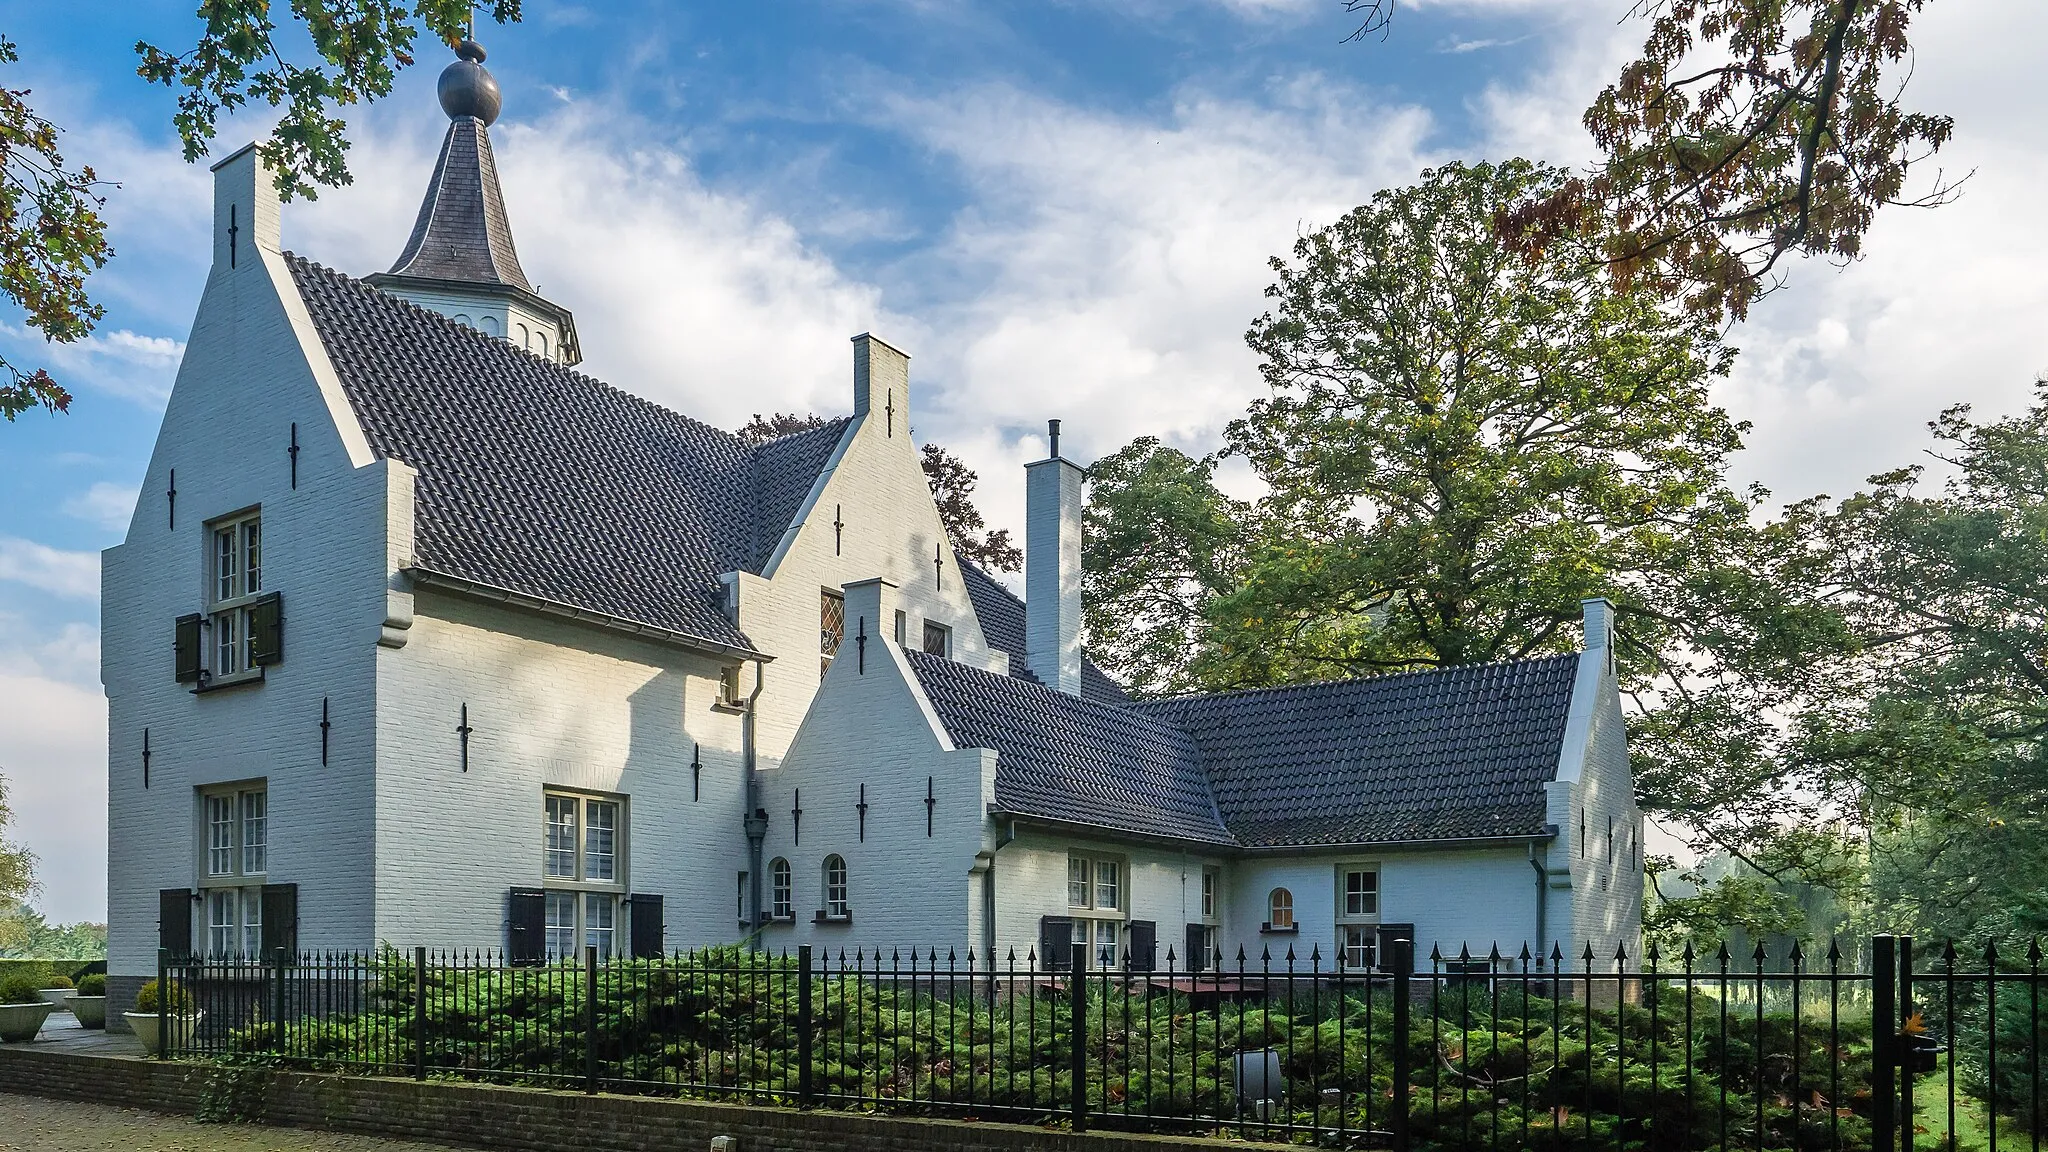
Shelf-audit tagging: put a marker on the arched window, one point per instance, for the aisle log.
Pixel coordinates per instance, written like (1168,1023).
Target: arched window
(521,336)
(488,324)
(540,343)
(462,318)
(835,887)
(781,892)
(1280,909)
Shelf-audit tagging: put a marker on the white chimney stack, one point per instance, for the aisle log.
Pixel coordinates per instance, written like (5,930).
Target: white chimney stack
(1052,568)
(1599,617)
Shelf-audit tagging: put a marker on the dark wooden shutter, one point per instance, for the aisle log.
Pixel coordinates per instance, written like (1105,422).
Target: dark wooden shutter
(266,630)
(526,926)
(174,921)
(280,920)
(646,927)
(1198,948)
(1144,953)
(1389,933)
(1055,942)
(187,646)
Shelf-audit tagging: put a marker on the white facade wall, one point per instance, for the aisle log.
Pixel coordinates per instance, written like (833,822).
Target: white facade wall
(248,374)
(911,884)
(1162,883)
(498,316)
(552,703)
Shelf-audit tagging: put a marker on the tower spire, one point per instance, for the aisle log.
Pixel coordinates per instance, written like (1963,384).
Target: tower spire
(460,259)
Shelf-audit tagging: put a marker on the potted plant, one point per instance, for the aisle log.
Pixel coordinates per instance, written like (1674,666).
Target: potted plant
(22,1011)
(53,988)
(144,1020)
(89,1003)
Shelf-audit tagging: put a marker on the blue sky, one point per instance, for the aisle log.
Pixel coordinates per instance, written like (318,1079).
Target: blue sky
(1059,208)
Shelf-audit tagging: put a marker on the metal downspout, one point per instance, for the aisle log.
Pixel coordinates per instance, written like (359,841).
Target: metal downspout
(1542,868)
(757,816)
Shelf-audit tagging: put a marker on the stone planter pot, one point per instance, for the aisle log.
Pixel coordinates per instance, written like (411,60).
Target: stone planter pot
(19,1023)
(145,1026)
(90,1011)
(54,997)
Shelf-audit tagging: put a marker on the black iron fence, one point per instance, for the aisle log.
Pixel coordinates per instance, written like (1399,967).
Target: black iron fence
(1792,1051)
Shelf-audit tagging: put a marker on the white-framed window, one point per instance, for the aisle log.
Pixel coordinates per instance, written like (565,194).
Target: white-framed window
(836,905)
(232,868)
(1358,892)
(583,870)
(1280,910)
(729,695)
(235,580)
(1212,880)
(781,889)
(1361,944)
(1096,900)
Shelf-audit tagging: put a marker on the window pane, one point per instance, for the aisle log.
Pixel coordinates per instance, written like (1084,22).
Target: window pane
(784,894)
(227,639)
(561,925)
(561,837)
(597,922)
(831,623)
(1208,894)
(252,923)
(224,564)
(1105,943)
(935,636)
(835,886)
(221,934)
(255,833)
(600,839)
(1108,885)
(1280,908)
(1077,882)
(252,546)
(1361,947)
(220,836)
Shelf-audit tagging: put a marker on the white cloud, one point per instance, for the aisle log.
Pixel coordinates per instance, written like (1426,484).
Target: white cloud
(120,363)
(53,754)
(74,575)
(106,504)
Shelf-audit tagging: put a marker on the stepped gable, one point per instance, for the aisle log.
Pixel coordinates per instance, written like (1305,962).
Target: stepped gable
(539,480)
(1456,753)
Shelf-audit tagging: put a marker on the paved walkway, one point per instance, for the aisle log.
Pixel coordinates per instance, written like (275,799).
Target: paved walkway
(33,1124)
(62,1033)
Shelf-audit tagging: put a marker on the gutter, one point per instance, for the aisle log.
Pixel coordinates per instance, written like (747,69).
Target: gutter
(494,594)
(1014,818)
(985,863)
(1231,848)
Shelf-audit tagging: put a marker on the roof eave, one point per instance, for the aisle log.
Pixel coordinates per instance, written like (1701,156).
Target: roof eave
(1548,833)
(996,812)
(478,590)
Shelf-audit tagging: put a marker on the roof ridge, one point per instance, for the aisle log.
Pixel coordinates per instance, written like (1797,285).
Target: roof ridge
(1377,678)
(566,371)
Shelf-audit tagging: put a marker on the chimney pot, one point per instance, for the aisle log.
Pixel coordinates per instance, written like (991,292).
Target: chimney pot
(1052,433)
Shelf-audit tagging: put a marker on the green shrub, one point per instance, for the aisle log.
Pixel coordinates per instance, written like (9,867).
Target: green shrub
(20,990)
(92,984)
(146,999)
(58,980)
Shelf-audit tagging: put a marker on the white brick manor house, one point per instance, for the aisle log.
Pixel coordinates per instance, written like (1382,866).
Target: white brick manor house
(420,636)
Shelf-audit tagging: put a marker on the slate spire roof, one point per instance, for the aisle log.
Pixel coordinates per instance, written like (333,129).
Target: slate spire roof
(462,232)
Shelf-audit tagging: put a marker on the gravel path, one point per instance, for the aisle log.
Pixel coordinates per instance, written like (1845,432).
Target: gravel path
(34,1124)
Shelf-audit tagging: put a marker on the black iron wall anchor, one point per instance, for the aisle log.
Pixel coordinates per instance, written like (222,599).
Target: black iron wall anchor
(838,529)
(324,727)
(145,757)
(696,772)
(171,498)
(295,454)
(862,808)
(938,566)
(463,730)
(796,817)
(930,802)
(860,645)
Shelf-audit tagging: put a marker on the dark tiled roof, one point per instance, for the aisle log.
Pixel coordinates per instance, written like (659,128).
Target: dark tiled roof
(1450,754)
(784,470)
(541,480)
(1001,615)
(462,232)
(1067,758)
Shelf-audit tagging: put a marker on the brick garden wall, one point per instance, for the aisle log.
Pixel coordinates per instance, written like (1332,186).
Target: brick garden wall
(524,1119)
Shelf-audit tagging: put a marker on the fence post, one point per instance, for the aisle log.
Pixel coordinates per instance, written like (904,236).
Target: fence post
(1397,1116)
(806,1089)
(1905,970)
(419,1012)
(590,1018)
(163,1003)
(1884,992)
(1077,985)
(277,965)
